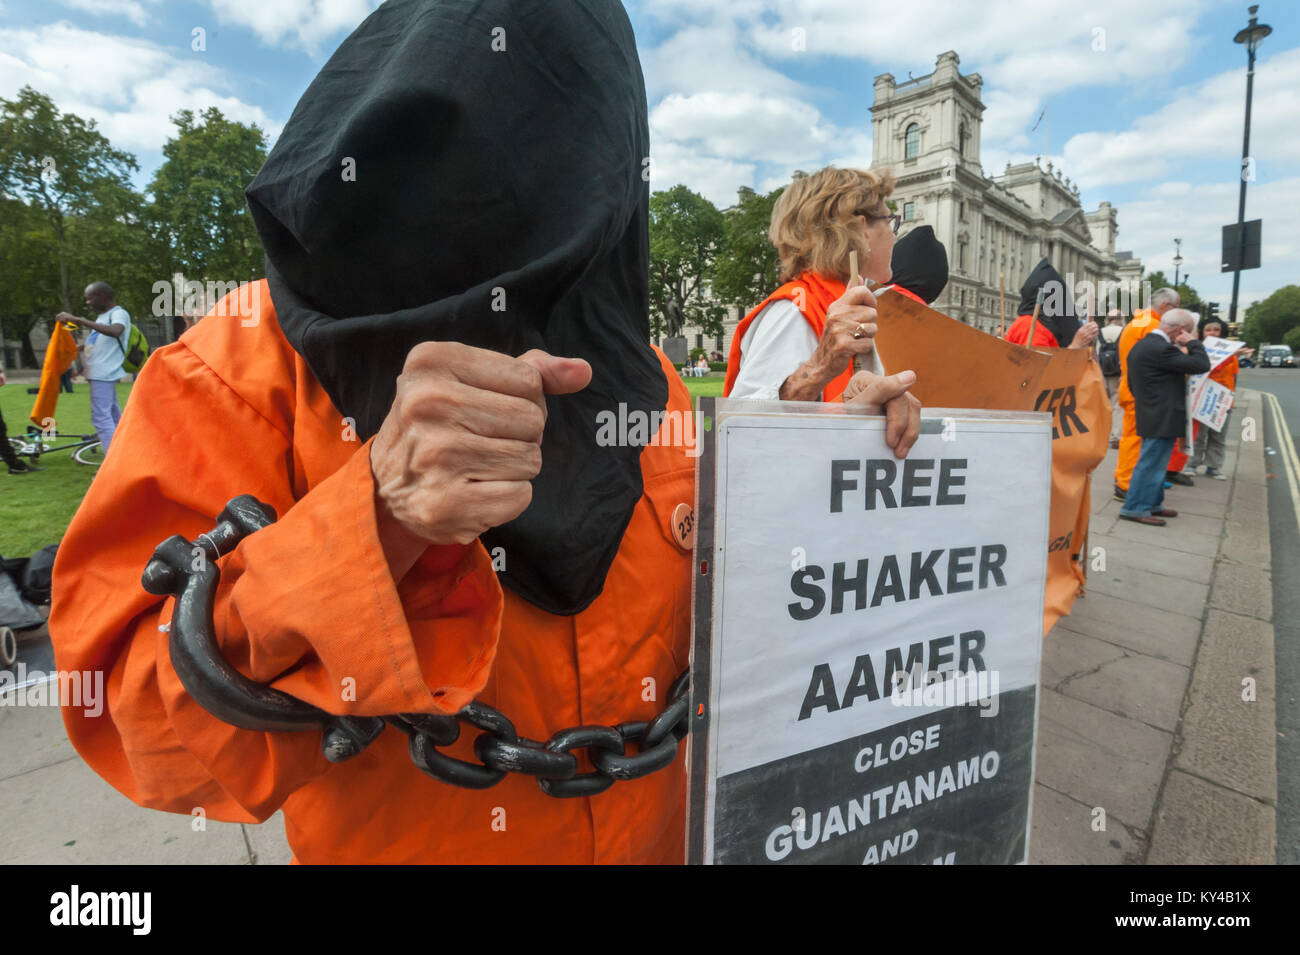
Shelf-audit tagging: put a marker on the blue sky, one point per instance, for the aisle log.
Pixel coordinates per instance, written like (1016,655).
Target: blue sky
(1144,100)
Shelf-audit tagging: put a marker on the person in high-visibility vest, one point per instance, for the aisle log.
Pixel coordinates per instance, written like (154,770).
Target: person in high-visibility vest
(442,222)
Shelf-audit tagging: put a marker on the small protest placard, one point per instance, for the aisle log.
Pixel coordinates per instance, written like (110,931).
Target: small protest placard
(867,636)
(1208,401)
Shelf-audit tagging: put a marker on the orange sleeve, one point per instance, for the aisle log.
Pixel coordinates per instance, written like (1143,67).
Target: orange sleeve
(1018,333)
(306,604)
(1226,373)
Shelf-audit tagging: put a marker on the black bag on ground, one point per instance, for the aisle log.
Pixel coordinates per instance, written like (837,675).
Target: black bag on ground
(35,583)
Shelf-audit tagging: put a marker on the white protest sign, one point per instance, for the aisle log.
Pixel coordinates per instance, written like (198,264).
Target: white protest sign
(1208,401)
(867,636)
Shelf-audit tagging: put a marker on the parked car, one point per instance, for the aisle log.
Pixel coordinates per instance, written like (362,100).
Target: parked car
(1276,356)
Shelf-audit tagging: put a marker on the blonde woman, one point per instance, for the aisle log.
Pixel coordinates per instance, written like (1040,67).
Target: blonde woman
(799,343)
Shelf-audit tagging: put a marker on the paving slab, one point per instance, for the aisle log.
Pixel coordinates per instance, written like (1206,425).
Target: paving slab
(1199,823)
(1068,654)
(1242,589)
(268,842)
(31,737)
(1065,832)
(1136,626)
(1178,535)
(1224,738)
(1100,759)
(1157,590)
(1243,544)
(1135,686)
(1122,554)
(64,814)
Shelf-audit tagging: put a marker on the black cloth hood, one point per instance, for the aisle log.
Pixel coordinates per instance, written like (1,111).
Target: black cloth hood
(471,171)
(1057,314)
(920,264)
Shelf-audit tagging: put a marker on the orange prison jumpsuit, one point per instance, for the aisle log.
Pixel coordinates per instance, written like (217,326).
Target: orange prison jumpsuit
(308,604)
(1144,322)
(813,294)
(1018,333)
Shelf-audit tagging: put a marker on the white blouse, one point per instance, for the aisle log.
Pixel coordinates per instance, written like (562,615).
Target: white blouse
(777,342)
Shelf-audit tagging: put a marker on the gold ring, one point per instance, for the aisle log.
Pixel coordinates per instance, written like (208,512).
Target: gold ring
(858,333)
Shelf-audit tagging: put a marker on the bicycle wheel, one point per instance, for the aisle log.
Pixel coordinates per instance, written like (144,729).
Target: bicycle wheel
(91,455)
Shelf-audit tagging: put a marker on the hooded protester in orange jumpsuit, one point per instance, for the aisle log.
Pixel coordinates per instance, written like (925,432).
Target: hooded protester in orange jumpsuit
(1144,322)
(434,206)
(1057,326)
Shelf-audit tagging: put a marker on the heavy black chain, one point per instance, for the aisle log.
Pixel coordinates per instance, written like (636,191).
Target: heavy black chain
(187,570)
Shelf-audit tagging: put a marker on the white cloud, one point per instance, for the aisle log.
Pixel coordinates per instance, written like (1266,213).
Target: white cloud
(302,23)
(133,104)
(1205,123)
(716,179)
(744,125)
(130,9)
(1196,213)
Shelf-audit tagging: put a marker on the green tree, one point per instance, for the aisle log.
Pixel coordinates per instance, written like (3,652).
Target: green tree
(198,192)
(1292,338)
(60,165)
(1271,319)
(686,234)
(747,269)
(1186,294)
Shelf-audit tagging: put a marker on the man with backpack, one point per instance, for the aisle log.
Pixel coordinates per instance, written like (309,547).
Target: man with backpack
(1108,359)
(103,353)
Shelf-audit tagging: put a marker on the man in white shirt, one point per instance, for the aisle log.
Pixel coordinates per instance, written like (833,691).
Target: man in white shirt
(102,355)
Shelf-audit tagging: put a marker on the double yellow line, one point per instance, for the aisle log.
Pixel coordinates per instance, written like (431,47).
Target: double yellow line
(1286,449)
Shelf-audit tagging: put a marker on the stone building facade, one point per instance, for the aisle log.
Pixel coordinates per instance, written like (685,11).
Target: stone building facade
(926,132)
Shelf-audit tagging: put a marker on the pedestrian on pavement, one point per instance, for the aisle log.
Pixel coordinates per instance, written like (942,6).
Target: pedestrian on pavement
(1157,371)
(1130,442)
(1210,446)
(104,350)
(1108,360)
(451,528)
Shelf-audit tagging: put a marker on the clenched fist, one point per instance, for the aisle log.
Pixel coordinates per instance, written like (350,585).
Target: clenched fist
(461,444)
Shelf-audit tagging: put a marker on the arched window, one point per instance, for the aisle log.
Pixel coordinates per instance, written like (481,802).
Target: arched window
(912,141)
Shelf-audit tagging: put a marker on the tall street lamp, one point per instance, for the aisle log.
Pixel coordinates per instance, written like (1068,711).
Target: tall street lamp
(1178,259)
(1251,37)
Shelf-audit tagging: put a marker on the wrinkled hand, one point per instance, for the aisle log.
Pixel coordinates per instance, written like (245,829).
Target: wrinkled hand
(856,307)
(462,440)
(902,409)
(1085,336)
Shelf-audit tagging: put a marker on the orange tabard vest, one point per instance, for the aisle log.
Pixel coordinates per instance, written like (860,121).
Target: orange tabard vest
(1018,333)
(308,605)
(812,293)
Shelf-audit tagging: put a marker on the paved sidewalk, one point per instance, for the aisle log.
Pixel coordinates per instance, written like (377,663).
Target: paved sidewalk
(1142,724)
(56,810)
(1141,717)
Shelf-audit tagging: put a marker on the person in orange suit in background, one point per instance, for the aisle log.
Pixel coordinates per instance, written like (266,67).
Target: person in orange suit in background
(1144,322)
(1057,326)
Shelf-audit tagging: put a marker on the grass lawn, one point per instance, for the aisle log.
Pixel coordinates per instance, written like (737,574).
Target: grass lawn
(35,509)
(705,387)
